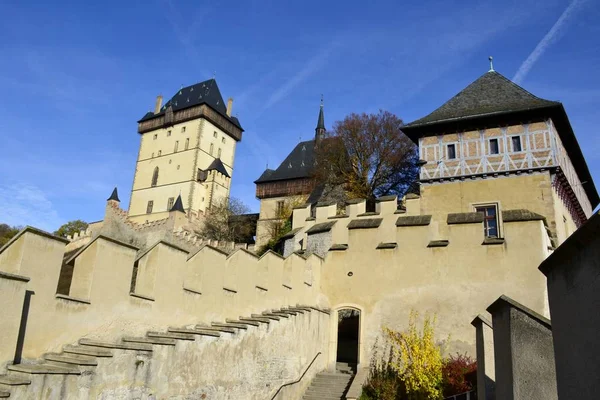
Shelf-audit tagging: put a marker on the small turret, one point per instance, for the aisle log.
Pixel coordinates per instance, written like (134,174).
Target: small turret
(114,196)
(178,205)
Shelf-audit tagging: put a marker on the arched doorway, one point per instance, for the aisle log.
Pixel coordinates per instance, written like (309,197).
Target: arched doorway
(348,332)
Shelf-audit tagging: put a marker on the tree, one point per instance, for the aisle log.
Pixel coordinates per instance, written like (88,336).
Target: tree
(7,232)
(369,155)
(71,228)
(220,222)
(281,224)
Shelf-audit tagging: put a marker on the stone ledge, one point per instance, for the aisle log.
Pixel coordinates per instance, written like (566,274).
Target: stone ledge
(321,227)
(482,319)
(14,277)
(45,369)
(338,247)
(368,214)
(141,296)
(33,230)
(438,243)
(414,220)
(191,290)
(229,290)
(492,241)
(291,233)
(465,218)
(355,201)
(381,246)
(261,288)
(70,298)
(521,215)
(120,346)
(339,216)
(369,223)
(381,199)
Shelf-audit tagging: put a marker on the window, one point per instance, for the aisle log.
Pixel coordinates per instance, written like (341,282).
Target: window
(159,152)
(187,143)
(149,207)
(176,146)
(223,140)
(155,177)
(183,129)
(490,220)
(212,147)
(155,136)
(451,151)
(170,203)
(152,155)
(215,134)
(279,209)
(219,153)
(201,176)
(168,133)
(494,146)
(516,143)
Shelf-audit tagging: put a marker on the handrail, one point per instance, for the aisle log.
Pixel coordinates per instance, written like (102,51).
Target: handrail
(297,380)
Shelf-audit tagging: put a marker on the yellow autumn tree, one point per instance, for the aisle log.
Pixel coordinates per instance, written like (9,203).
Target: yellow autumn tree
(417,359)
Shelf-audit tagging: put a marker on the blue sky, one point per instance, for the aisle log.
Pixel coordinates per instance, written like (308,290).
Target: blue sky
(75,78)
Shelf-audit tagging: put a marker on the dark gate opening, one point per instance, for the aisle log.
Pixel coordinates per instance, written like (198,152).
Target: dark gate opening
(347,336)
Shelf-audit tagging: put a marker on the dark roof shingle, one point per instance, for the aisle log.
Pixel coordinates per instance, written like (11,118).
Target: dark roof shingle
(217,165)
(298,164)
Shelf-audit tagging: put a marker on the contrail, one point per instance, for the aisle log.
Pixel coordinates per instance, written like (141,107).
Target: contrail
(547,40)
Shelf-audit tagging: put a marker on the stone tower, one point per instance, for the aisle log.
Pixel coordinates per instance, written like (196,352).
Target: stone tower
(495,146)
(187,148)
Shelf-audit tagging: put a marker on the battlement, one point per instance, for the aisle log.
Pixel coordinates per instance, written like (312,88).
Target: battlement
(389,227)
(115,289)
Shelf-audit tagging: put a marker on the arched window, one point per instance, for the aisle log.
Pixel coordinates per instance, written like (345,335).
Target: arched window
(155,177)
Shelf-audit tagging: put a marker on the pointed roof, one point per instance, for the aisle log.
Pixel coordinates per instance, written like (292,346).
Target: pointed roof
(491,94)
(217,165)
(114,195)
(321,120)
(298,164)
(178,205)
(206,92)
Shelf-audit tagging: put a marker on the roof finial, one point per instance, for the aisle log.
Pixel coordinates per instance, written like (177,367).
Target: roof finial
(214,74)
(321,99)
(491,63)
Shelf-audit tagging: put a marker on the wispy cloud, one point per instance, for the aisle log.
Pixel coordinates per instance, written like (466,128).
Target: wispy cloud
(548,39)
(26,204)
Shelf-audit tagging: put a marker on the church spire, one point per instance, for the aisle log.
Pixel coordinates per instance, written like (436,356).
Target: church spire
(320,130)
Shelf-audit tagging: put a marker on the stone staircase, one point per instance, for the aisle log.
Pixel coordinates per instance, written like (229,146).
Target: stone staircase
(82,358)
(331,386)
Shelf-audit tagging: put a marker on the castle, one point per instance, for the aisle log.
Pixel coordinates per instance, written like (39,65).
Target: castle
(141,308)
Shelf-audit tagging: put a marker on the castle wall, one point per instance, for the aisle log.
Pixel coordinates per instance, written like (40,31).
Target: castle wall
(170,288)
(389,263)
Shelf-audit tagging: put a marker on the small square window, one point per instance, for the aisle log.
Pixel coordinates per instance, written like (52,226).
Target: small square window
(222,140)
(516,143)
(187,143)
(219,153)
(494,146)
(168,133)
(183,129)
(215,134)
(149,207)
(176,146)
(159,152)
(451,151)
(152,155)
(155,136)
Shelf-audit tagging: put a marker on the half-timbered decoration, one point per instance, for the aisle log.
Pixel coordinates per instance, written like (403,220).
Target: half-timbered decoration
(496,129)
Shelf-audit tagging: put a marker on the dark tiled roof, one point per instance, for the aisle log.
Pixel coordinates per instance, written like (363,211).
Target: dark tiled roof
(217,165)
(414,220)
(298,164)
(465,218)
(320,228)
(492,93)
(114,195)
(321,120)
(206,92)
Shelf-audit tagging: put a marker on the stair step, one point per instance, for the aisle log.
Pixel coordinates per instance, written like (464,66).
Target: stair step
(319,397)
(271,314)
(11,380)
(246,322)
(148,340)
(260,320)
(170,335)
(296,310)
(202,332)
(4,395)
(229,325)
(71,359)
(262,316)
(87,351)
(325,391)
(44,369)
(120,346)
(285,312)
(215,328)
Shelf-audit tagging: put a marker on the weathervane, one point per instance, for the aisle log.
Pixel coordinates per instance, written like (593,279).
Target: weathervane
(321,98)
(491,63)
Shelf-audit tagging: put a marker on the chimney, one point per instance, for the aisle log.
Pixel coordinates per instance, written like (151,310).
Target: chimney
(158,104)
(229,106)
